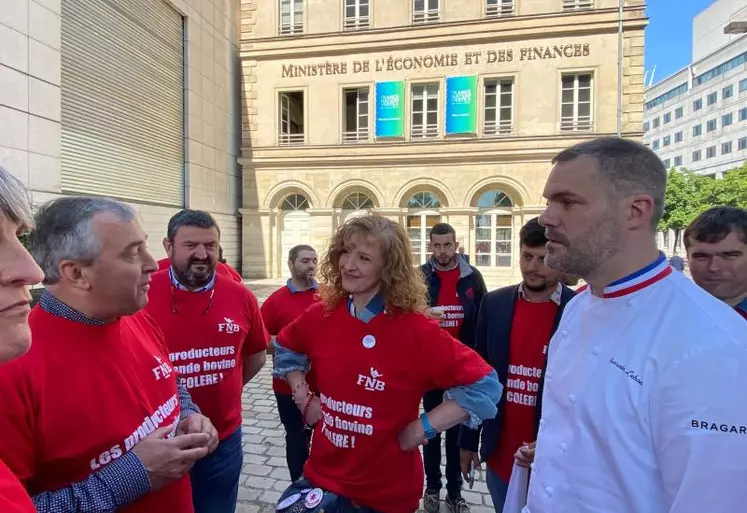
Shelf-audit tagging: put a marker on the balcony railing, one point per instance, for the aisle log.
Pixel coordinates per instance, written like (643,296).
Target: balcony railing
(424,131)
(357,23)
(580,124)
(291,139)
(291,29)
(357,136)
(499,10)
(577,5)
(498,129)
(427,16)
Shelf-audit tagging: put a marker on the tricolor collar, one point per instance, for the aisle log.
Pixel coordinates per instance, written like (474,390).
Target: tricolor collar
(294,290)
(175,282)
(655,271)
(374,307)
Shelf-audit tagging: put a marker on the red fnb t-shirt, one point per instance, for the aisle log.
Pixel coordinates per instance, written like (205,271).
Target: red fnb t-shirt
(371,378)
(278,311)
(82,397)
(13,497)
(220,268)
(207,345)
(449,299)
(530,335)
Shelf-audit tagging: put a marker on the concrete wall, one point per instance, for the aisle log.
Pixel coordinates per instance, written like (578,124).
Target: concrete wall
(30,108)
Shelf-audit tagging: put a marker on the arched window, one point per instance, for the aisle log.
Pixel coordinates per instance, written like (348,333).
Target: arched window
(493,230)
(357,201)
(295,202)
(422,216)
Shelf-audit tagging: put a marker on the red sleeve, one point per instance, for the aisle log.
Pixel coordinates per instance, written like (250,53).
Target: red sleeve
(257,338)
(268,315)
(293,336)
(18,421)
(235,275)
(444,361)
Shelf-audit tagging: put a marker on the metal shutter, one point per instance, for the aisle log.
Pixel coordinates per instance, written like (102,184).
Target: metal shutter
(123,100)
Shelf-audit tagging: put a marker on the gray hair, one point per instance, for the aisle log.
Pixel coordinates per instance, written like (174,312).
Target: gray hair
(626,167)
(15,201)
(63,232)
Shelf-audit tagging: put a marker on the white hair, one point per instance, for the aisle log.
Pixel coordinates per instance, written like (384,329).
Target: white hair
(15,201)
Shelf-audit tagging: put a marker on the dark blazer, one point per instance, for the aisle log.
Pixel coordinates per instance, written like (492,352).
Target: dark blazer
(471,289)
(492,341)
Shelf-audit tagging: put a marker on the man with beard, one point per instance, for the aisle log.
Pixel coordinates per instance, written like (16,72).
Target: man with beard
(278,310)
(716,245)
(455,290)
(513,331)
(644,406)
(216,339)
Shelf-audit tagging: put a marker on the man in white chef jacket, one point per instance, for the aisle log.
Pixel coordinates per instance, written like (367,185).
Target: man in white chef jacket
(645,400)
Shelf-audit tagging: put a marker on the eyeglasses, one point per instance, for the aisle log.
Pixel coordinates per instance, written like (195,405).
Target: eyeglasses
(174,308)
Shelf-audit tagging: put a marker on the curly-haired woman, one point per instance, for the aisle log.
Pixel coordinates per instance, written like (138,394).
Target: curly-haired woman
(375,353)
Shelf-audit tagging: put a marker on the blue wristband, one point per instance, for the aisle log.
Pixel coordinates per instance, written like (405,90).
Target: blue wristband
(430,433)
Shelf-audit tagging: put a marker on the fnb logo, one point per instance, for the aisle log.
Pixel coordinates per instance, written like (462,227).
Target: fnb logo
(228,327)
(163,370)
(371,383)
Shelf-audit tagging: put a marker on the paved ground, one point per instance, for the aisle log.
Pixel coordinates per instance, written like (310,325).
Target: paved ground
(265,474)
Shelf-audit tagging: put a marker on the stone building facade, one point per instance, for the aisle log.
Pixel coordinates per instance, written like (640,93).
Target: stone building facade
(424,111)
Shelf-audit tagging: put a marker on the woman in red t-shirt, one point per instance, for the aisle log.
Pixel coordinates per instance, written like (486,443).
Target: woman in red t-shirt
(19,271)
(374,353)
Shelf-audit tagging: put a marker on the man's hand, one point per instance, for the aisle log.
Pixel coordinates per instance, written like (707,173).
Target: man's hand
(166,460)
(197,423)
(465,457)
(525,455)
(412,436)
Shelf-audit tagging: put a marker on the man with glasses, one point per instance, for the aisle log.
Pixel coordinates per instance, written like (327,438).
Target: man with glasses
(216,340)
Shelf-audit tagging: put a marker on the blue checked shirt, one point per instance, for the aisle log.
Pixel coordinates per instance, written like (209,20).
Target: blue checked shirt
(121,482)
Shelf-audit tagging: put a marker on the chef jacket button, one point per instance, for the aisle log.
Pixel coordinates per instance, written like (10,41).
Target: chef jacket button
(564,447)
(630,302)
(542,422)
(596,350)
(572,398)
(548,489)
(548,376)
(531,466)
(563,333)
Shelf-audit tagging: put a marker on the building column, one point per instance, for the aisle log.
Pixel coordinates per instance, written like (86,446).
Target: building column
(258,240)
(322,227)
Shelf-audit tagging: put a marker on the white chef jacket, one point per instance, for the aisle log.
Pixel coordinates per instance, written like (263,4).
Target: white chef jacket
(645,402)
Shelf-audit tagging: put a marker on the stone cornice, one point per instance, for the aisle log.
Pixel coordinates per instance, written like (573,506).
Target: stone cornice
(514,149)
(516,28)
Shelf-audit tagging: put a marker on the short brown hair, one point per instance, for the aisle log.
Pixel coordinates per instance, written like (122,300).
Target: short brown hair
(626,166)
(295,250)
(715,224)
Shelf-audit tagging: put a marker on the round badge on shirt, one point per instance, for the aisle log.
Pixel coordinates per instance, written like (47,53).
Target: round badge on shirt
(369,341)
(289,501)
(314,497)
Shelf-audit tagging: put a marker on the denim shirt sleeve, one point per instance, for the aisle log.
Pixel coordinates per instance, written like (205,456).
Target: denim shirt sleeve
(479,399)
(288,361)
(118,484)
(186,404)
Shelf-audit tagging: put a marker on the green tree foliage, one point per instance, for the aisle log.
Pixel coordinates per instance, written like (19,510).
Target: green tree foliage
(689,194)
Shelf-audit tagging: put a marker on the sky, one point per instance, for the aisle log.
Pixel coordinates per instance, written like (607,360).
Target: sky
(669,34)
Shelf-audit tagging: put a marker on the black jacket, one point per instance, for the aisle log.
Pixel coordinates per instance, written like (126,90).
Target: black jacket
(471,289)
(492,341)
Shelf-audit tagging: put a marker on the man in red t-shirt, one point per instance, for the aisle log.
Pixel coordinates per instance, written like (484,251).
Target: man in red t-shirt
(19,271)
(93,417)
(216,340)
(278,310)
(455,290)
(513,332)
